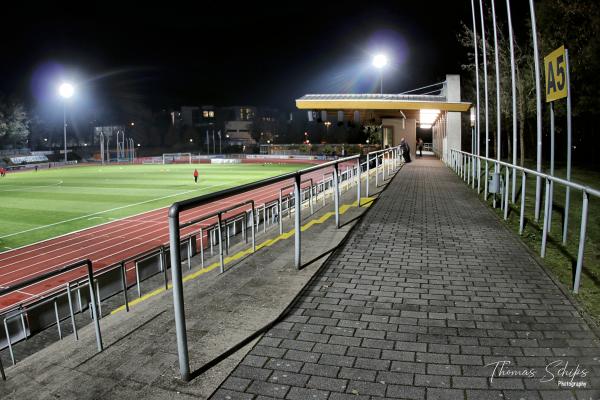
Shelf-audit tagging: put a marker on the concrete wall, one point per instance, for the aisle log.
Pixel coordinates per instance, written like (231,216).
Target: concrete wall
(453,120)
(409,132)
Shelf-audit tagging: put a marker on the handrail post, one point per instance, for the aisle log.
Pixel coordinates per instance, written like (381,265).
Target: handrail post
(506,189)
(280,216)
(376,170)
(522,217)
(163,261)
(72,314)
(297,233)
(179,309)
(253,224)
(582,233)
(368,175)
(358,182)
(336,195)
(220,223)
(94,305)
(545,228)
(123,286)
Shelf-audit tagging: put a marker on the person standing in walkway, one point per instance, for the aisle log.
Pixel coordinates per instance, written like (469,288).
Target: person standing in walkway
(420,147)
(405,150)
(196,176)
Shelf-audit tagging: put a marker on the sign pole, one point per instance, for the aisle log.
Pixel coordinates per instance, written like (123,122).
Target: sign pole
(556,74)
(552,131)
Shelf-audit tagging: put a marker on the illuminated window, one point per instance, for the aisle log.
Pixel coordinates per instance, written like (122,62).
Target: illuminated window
(211,114)
(246,114)
(205,114)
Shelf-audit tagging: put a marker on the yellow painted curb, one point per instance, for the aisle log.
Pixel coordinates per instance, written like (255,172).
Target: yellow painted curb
(364,201)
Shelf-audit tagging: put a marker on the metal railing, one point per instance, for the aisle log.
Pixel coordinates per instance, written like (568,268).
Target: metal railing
(175,226)
(468,167)
(40,278)
(271,211)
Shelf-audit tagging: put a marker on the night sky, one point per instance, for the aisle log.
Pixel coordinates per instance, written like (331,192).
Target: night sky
(176,54)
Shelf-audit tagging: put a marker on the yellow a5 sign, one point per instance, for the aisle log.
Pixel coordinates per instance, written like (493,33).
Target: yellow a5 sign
(555,68)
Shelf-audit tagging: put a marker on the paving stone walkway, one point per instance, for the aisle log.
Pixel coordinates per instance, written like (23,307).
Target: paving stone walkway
(430,298)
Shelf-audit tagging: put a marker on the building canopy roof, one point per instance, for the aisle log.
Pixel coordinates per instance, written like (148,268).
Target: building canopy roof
(383,102)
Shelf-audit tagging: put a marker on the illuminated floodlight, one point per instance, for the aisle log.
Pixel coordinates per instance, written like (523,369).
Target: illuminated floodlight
(66,90)
(380,61)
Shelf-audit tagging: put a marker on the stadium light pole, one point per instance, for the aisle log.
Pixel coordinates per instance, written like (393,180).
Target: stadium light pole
(379,62)
(66,91)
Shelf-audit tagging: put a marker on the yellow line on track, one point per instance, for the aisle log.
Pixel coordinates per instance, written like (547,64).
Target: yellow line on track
(365,202)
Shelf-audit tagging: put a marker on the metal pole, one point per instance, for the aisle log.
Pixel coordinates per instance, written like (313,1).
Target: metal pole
(336,196)
(478,131)
(376,170)
(514,99)
(552,134)
(358,182)
(71,311)
(57,320)
(280,214)
(65,127)
(569,145)
(538,97)
(297,222)
(485,90)
(254,221)
(582,233)
(522,216)
(108,149)
(124,286)
(367,182)
(498,113)
(178,305)
(221,260)
(506,192)
(545,229)
(102,147)
(94,307)
(202,249)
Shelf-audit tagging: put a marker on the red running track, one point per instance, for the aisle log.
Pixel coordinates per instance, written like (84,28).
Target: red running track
(109,244)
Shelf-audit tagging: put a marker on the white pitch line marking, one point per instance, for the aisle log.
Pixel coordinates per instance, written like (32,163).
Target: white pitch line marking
(18,188)
(105,211)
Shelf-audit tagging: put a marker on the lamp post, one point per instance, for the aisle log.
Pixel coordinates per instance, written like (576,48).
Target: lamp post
(66,91)
(380,61)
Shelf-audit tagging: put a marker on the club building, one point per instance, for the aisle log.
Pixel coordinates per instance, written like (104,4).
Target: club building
(399,114)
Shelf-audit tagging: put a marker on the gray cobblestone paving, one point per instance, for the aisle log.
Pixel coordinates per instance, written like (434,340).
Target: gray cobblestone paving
(429,297)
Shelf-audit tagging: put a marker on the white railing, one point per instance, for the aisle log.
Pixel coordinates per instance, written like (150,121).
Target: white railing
(468,166)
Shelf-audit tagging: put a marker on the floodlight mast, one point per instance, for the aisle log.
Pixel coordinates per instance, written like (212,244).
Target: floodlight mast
(66,91)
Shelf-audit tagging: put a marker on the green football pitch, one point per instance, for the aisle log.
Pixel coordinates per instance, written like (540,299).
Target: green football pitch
(51,202)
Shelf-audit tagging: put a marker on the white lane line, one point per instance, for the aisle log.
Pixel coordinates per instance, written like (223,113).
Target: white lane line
(137,241)
(152,232)
(18,188)
(91,232)
(101,212)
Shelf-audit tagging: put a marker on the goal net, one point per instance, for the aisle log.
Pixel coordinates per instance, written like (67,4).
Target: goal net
(177,158)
